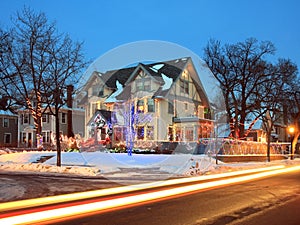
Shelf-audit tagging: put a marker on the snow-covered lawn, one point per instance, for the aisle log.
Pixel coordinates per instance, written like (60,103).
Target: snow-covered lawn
(101,163)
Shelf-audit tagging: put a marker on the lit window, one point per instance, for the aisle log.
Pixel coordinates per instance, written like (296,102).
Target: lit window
(150,133)
(140,106)
(189,134)
(140,133)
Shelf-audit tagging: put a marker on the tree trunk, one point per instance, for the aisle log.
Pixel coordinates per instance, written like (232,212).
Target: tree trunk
(269,148)
(58,147)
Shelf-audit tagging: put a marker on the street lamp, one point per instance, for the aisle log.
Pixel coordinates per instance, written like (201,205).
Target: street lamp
(291,130)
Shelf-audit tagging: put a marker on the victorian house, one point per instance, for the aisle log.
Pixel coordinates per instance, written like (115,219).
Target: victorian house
(157,102)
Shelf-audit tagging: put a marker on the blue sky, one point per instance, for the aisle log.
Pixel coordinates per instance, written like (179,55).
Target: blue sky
(107,24)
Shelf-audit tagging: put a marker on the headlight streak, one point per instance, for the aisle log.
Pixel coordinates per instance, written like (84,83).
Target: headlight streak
(55,214)
(123,189)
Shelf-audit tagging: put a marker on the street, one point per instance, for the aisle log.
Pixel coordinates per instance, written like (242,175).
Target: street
(246,203)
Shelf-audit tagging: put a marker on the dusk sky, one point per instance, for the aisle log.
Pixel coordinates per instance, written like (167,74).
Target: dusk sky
(104,25)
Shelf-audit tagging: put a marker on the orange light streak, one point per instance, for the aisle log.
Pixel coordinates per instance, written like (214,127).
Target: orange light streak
(123,189)
(55,214)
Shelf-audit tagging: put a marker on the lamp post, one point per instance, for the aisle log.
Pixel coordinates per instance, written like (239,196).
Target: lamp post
(291,130)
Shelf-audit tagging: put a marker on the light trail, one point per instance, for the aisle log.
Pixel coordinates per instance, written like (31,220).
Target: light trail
(123,189)
(75,210)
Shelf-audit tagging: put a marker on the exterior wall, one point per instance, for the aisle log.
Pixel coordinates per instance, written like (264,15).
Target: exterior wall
(8,131)
(79,123)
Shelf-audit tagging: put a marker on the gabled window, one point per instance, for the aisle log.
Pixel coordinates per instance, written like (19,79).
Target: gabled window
(143,84)
(5,122)
(184,86)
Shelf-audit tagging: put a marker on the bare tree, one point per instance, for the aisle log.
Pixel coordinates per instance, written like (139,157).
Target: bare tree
(63,73)
(243,73)
(271,108)
(291,100)
(26,61)
(37,65)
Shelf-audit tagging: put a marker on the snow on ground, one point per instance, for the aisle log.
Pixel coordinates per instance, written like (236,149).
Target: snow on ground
(101,163)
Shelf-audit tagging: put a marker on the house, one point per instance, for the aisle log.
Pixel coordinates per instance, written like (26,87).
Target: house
(156,102)
(71,121)
(8,129)
(27,132)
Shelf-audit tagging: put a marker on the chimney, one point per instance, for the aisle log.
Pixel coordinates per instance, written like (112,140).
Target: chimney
(70,89)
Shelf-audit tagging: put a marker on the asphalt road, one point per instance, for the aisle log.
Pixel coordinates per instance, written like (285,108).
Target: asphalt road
(272,200)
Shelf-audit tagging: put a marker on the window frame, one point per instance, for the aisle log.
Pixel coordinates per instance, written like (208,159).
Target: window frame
(5,122)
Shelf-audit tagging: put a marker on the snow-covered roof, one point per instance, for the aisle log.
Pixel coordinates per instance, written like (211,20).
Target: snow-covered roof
(113,96)
(7,113)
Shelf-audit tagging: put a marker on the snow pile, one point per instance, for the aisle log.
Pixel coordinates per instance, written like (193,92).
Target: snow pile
(42,168)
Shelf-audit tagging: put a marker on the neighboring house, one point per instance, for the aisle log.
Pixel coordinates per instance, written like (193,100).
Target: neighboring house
(158,102)
(258,132)
(71,121)
(8,129)
(27,133)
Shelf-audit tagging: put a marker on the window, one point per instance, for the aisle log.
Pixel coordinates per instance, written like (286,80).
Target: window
(140,106)
(139,85)
(140,133)
(25,118)
(184,86)
(186,106)
(95,90)
(101,92)
(143,84)
(7,138)
(147,85)
(63,118)
(170,133)
(5,122)
(151,106)
(45,118)
(170,108)
(46,136)
(23,137)
(189,134)
(150,132)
